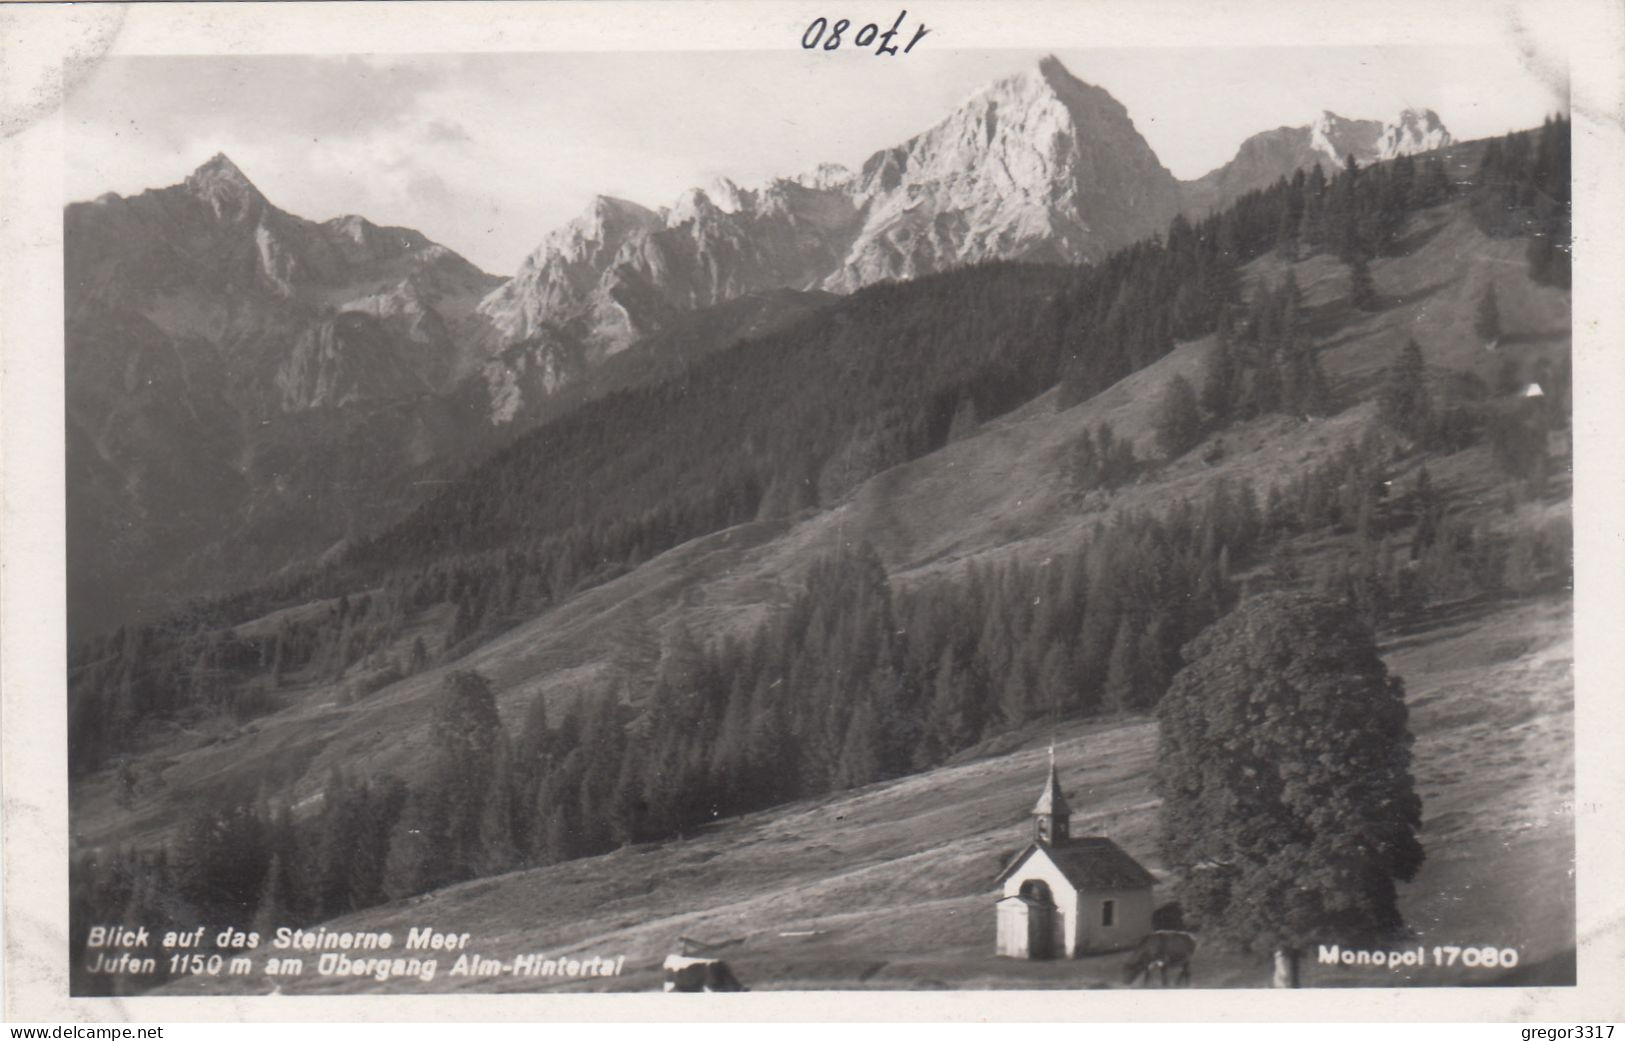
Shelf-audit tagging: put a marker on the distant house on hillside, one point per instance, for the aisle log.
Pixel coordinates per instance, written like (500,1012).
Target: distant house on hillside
(1066,896)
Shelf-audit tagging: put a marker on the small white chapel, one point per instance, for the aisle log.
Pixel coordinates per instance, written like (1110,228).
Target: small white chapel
(1066,896)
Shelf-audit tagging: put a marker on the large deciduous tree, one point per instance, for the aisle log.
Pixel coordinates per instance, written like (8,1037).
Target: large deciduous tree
(1289,809)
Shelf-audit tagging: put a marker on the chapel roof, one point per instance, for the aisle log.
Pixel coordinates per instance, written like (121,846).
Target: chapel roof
(1091,862)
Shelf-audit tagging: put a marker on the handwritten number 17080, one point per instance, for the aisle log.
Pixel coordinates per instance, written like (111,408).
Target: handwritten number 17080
(821,32)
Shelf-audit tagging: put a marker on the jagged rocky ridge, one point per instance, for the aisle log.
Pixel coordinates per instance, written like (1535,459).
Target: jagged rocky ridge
(1038,166)
(246,386)
(1327,141)
(212,262)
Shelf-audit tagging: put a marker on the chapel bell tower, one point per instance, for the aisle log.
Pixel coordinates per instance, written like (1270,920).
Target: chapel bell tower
(1052,818)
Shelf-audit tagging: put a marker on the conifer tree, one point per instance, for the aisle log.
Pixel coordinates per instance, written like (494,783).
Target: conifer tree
(1219,381)
(965,420)
(1056,694)
(1122,670)
(1487,318)
(1016,700)
(557,843)
(1179,420)
(634,801)
(465,733)
(271,912)
(340,830)
(1433,187)
(497,850)
(1266,390)
(1403,401)
(1362,289)
(860,760)
(954,720)
(1096,635)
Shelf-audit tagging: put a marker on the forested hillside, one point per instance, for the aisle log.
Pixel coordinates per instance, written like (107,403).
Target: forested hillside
(795,420)
(852,680)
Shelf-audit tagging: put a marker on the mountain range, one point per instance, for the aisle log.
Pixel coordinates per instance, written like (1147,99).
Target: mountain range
(739,544)
(247,388)
(1037,166)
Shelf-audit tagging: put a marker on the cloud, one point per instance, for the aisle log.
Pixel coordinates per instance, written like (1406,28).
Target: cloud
(488,152)
(445,131)
(179,100)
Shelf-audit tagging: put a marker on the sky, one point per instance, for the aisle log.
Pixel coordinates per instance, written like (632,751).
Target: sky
(488,152)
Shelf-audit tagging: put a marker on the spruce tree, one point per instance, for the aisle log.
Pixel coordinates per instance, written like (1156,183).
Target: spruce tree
(465,734)
(965,420)
(1122,670)
(1487,319)
(340,830)
(1219,381)
(860,759)
(1519,574)
(1362,289)
(271,912)
(1265,393)
(1179,420)
(1433,187)
(1403,401)
(1056,691)
(557,843)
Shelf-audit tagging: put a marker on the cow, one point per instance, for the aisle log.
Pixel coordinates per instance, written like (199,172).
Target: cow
(1160,951)
(685,975)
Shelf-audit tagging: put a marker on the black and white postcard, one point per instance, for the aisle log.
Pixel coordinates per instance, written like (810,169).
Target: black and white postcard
(1105,501)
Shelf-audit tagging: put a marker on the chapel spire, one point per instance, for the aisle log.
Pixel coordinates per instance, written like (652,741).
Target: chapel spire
(1052,818)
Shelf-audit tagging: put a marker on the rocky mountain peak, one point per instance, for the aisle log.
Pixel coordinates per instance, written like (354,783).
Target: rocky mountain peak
(725,195)
(607,222)
(1337,137)
(694,204)
(1072,90)
(1327,141)
(1039,165)
(824,176)
(357,229)
(221,184)
(1050,82)
(1416,130)
(219,167)
(1050,67)
(1048,110)
(722,196)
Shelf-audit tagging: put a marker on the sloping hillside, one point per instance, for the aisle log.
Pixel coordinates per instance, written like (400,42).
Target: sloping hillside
(891,886)
(1005,492)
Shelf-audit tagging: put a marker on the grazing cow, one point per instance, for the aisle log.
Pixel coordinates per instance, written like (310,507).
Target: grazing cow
(1162,950)
(686,975)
